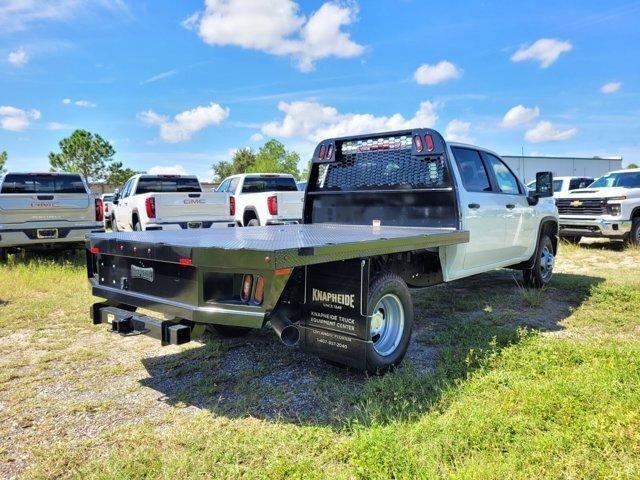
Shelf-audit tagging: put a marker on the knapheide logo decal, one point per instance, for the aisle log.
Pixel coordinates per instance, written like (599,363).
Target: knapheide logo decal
(348,300)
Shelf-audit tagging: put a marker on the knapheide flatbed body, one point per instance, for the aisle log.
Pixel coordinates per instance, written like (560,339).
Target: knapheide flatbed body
(382,213)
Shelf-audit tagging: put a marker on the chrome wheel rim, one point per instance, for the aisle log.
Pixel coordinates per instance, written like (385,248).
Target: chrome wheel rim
(547,260)
(387,325)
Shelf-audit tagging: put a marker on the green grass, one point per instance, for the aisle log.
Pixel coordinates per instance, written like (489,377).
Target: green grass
(524,385)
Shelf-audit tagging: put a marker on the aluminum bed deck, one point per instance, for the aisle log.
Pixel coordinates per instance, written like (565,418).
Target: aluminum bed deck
(278,246)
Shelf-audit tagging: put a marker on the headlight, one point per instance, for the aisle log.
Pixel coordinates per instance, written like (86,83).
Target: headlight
(615,199)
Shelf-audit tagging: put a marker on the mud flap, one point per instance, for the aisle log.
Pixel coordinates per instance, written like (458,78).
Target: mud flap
(335,324)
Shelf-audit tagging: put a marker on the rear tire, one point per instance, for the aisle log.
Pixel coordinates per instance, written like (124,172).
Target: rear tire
(228,331)
(137,227)
(254,222)
(391,324)
(542,271)
(575,240)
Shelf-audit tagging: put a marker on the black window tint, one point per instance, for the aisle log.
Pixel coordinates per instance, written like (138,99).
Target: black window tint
(269,184)
(507,181)
(474,175)
(167,184)
(576,183)
(43,183)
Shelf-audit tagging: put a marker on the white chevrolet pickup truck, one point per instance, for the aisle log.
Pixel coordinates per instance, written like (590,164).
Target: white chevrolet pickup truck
(264,198)
(46,210)
(608,208)
(168,202)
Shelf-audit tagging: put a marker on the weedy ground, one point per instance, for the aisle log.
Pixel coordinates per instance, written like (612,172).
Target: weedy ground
(499,382)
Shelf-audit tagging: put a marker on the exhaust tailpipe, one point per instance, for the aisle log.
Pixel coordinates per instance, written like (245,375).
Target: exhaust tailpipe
(287,332)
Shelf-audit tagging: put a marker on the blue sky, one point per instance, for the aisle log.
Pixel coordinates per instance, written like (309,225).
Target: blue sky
(177,86)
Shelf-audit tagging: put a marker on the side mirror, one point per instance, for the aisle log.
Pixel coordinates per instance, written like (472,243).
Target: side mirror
(544,184)
(116,196)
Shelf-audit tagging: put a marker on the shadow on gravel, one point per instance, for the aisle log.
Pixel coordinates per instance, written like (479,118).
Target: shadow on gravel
(459,326)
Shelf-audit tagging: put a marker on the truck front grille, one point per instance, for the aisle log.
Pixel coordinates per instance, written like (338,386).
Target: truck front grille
(581,206)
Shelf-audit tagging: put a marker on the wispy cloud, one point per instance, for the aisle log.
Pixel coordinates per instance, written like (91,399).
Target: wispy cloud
(159,76)
(18,57)
(544,51)
(79,103)
(611,87)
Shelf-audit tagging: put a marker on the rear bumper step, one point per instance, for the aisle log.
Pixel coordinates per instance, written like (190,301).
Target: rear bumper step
(129,323)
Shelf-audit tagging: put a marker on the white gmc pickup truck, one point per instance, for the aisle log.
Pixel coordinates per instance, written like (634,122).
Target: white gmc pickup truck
(264,198)
(608,208)
(46,210)
(168,202)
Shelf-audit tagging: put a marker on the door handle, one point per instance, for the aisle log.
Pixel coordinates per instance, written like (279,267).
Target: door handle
(511,206)
(474,206)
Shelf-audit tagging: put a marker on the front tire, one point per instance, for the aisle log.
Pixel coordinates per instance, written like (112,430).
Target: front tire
(391,311)
(542,271)
(634,234)
(254,222)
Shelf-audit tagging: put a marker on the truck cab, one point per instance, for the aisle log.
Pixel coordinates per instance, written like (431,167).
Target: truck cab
(46,210)
(607,208)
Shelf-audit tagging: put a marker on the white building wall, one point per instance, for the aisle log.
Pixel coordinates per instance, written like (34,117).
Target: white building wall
(527,167)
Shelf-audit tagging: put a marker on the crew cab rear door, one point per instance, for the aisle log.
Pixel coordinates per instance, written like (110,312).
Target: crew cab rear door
(483,210)
(45,197)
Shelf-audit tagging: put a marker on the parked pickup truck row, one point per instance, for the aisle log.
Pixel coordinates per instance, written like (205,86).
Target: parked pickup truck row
(383,213)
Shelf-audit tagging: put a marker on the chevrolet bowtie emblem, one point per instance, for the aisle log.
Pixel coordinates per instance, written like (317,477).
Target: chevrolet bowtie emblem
(576,203)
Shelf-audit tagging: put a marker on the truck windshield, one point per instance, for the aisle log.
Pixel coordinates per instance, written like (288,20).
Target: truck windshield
(269,184)
(43,183)
(620,179)
(167,184)
(557,185)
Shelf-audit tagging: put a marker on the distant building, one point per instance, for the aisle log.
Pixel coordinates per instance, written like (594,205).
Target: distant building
(526,167)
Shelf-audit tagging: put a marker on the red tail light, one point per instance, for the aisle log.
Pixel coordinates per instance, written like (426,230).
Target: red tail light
(322,152)
(94,250)
(272,203)
(232,206)
(417,141)
(428,140)
(330,152)
(186,262)
(99,210)
(259,293)
(150,207)
(247,283)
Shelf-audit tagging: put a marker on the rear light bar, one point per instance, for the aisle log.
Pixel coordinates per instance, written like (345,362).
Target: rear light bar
(272,203)
(150,207)
(232,206)
(99,210)
(373,144)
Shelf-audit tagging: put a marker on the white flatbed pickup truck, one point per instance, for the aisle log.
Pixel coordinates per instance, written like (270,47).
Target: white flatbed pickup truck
(168,202)
(45,210)
(383,213)
(264,198)
(608,208)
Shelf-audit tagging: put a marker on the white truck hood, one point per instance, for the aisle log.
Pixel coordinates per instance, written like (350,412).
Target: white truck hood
(601,193)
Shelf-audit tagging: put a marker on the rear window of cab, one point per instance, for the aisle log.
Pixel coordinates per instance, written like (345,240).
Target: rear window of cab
(269,184)
(43,183)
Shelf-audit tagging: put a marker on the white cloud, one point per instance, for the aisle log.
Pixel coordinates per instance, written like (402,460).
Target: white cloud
(545,51)
(59,126)
(458,131)
(433,74)
(159,76)
(79,103)
(547,132)
(315,121)
(277,27)
(186,123)
(15,119)
(611,87)
(167,170)
(519,115)
(256,137)
(18,57)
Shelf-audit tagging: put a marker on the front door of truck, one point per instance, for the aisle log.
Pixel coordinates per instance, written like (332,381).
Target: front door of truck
(519,215)
(483,210)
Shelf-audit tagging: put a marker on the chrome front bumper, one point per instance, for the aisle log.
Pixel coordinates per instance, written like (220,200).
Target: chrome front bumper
(594,227)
